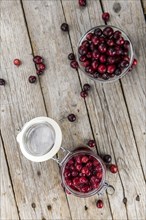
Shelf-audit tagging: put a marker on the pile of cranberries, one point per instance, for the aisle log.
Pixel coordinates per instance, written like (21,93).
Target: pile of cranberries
(104,53)
(83,173)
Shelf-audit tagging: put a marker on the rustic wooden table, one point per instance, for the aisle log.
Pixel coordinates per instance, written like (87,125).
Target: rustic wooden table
(113,114)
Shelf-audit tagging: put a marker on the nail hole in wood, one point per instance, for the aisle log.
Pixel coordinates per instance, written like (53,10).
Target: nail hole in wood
(49,207)
(38,173)
(138,198)
(125,200)
(86,208)
(117,7)
(33,205)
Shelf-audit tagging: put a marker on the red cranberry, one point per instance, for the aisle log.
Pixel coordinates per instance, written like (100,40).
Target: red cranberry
(72,167)
(85,43)
(124,64)
(92,47)
(127,58)
(108,31)
(74,173)
(32,79)
(99,204)
(85,170)
(96,54)
(38,59)
(74,64)
(110,42)
(101,68)
(118,72)
(17,62)
(85,189)
(102,39)
(89,55)
(102,58)
(76,181)
(111,60)
(91,143)
(105,76)
(71,56)
(113,168)
(126,44)
(95,40)
(67,174)
(95,185)
(98,32)
(82,174)
(107,158)
(120,41)
(41,66)
(64,27)
(83,180)
(119,51)
(71,117)
(102,48)
(83,58)
(89,36)
(82,50)
(70,162)
(86,87)
(83,94)
(95,64)
(2,82)
(111,68)
(78,167)
(78,159)
(125,52)
(94,179)
(111,51)
(96,75)
(85,159)
(39,72)
(89,69)
(105,16)
(86,63)
(89,164)
(99,175)
(68,182)
(117,35)
(134,62)
(82,2)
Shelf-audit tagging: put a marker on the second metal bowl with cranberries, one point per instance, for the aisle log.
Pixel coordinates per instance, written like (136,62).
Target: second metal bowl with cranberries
(105,53)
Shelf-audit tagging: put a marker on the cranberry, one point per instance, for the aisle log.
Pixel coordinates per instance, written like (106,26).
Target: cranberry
(108,31)
(95,185)
(85,43)
(67,174)
(89,69)
(111,68)
(82,2)
(101,68)
(98,32)
(118,72)
(89,164)
(86,87)
(134,62)
(82,174)
(105,16)
(2,82)
(83,58)
(38,59)
(105,76)
(124,64)
(86,63)
(76,181)
(85,189)
(110,42)
(102,58)
(107,158)
(120,41)
(89,55)
(71,117)
(68,182)
(32,79)
(99,204)
(78,167)
(127,58)
(41,66)
(71,56)
(74,173)
(78,159)
(83,180)
(74,64)
(64,27)
(85,159)
(99,175)
(85,170)
(119,51)
(72,167)
(91,143)
(92,47)
(111,51)
(111,60)
(70,162)
(89,36)
(94,179)
(102,48)
(39,72)
(96,54)
(17,62)
(95,64)
(113,168)
(102,39)
(126,44)
(96,75)
(83,94)
(95,40)
(117,35)
(82,50)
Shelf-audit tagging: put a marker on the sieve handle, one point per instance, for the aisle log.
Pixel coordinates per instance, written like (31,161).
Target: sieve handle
(65,151)
(108,188)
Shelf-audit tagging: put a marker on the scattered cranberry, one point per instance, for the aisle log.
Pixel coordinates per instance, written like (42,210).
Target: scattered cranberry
(38,59)
(41,66)
(39,72)
(82,2)
(71,117)
(91,143)
(106,16)
(74,64)
(2,82)
(71,56)
(113,168)
(17,62)
(64,27)
(83,94)
(107,158)
(99,204)
(32,79)
(134,62)
(86,87)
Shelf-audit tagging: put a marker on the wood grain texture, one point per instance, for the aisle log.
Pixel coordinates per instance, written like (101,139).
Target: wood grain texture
(8,208)
(61,88)
(35,185)
(110,121)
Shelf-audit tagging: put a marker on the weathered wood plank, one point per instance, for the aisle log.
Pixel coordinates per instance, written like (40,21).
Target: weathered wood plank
(61,81)
(36,185)
(8,208)
(110,121)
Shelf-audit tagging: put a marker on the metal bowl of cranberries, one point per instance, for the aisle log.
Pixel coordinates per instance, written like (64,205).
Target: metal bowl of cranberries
(105,53)
(83,174)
